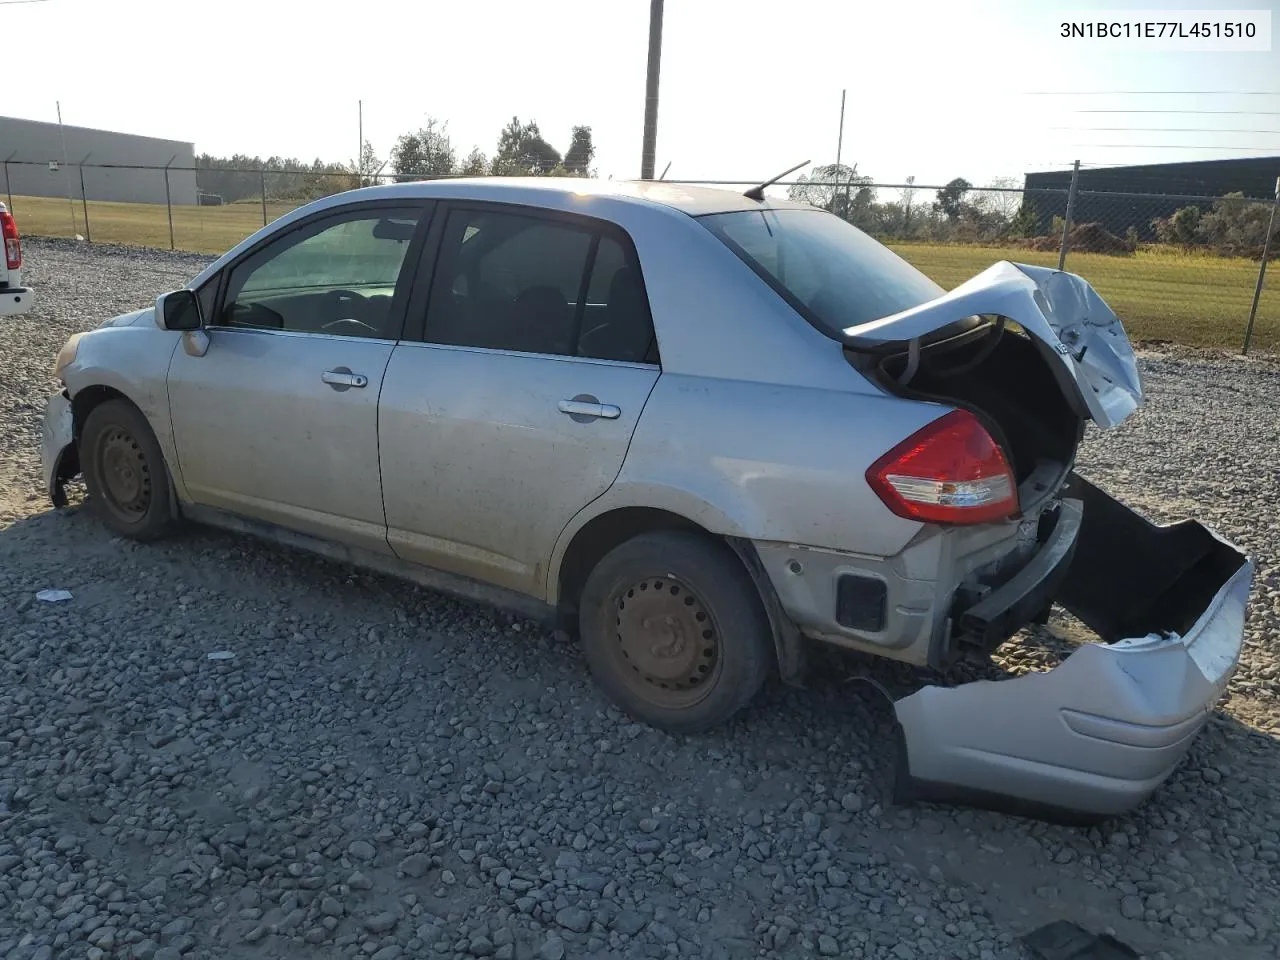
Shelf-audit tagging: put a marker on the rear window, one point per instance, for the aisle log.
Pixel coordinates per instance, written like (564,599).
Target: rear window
(829,270)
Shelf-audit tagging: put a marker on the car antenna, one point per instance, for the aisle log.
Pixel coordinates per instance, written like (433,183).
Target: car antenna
(663,175)
(757,192)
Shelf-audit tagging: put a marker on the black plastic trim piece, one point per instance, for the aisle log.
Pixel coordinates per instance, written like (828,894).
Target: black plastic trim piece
(861,602)
(1019,600)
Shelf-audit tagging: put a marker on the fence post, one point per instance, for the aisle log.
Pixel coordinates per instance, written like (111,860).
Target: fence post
(84,201)
(8,189)
(1066,225)
(1262,270)
(168,201)
(263,174)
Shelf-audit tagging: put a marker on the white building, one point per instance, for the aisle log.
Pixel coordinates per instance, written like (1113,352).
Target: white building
(33,155)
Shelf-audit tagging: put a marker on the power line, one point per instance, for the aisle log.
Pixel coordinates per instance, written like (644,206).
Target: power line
(1248,113)
(1263,133)
(1161,146)
(10,3)
(1154,93)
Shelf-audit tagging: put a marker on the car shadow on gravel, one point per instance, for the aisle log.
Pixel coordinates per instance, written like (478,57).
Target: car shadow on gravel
(426,696)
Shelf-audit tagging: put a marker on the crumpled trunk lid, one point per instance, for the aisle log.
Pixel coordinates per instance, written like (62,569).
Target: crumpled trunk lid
(1083,341)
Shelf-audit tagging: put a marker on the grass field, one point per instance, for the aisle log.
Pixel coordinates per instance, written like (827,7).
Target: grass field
(200,229)
(1193,299)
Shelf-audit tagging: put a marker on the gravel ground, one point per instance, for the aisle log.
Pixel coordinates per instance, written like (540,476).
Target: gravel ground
(382,772)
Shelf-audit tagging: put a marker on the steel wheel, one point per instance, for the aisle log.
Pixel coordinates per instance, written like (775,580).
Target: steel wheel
(668,644)
(126,476)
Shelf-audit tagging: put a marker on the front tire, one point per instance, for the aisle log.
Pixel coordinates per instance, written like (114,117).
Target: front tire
(674,631)
(125,473)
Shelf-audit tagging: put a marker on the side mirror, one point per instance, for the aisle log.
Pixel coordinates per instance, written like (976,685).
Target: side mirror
(179,310)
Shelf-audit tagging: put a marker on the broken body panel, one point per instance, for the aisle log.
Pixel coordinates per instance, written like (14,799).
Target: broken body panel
(1097,734)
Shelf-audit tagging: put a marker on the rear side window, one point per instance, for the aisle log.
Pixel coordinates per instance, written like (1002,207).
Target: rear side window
(528,284)
(829,270)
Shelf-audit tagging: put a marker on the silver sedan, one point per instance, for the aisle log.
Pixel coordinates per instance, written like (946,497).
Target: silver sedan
(700,430)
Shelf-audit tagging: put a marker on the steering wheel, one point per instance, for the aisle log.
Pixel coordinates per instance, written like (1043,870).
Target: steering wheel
(338,300)
(351,323)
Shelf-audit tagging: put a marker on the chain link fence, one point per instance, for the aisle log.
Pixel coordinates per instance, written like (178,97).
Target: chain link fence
(1177,268)
(1180,268)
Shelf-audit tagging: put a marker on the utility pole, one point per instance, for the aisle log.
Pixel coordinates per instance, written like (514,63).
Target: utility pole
(649,147)
(840,139)
(839,151)
(360,149)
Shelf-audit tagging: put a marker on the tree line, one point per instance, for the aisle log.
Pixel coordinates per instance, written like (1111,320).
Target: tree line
(959,212)
(1002,212)
(522,151)
(426,152)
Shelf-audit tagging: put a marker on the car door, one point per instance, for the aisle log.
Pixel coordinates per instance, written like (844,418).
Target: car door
(515,406)
(278,419)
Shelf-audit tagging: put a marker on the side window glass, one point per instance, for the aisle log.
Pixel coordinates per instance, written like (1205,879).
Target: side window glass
(208,297)
(506,281)
(337,277)
(616,324)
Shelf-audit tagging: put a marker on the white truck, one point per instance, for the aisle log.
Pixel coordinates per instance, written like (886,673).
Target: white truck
(14,297)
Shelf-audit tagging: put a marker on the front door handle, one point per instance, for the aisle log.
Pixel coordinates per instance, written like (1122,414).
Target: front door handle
(585,407)
(341,378)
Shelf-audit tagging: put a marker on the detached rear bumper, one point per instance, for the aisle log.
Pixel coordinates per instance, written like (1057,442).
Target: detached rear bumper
(1097,734)
(16,300)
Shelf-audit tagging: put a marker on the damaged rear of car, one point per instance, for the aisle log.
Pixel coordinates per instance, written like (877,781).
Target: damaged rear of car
(1016,361)
(1032,353)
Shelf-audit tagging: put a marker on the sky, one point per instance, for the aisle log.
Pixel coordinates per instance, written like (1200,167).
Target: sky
(935,88)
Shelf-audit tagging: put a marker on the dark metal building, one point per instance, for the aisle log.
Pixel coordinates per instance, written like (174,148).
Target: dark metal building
(1172,183)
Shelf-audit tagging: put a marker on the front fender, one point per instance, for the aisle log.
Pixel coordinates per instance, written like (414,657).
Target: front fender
(132,361)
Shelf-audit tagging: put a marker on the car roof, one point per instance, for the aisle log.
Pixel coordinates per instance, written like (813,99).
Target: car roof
(609,199)
(687,198)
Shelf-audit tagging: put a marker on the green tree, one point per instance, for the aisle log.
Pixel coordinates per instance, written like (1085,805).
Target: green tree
(908,205)
(834,187)
(476,164)
(1023,223)
(427,152)
(1235,225)
(577,159)
(1180,228)
(523,152)
(951,198)
(368,165)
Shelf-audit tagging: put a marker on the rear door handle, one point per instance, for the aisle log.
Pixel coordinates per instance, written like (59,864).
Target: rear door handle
(341,378)
(584,408)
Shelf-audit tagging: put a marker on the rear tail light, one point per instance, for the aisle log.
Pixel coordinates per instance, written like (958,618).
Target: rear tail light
(12,243)
(952,471)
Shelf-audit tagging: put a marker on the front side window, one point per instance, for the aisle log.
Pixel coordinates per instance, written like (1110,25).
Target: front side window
(336,277)
(509,281)
(828,269)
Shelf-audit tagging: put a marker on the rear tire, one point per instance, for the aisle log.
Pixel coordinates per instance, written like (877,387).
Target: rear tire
(125,473)
(674,631)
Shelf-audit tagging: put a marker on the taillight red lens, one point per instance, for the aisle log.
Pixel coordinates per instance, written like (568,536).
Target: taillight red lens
(12,243)
(951,471)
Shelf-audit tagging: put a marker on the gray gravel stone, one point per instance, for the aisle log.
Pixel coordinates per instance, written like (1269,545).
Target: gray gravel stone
(383,922)
(574,918)
(416,865)
(361,850)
